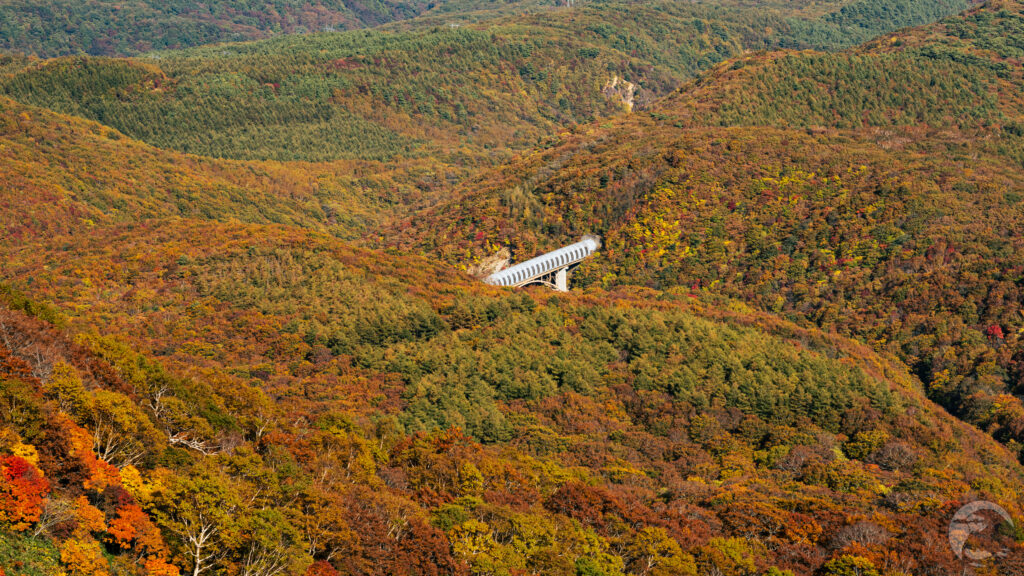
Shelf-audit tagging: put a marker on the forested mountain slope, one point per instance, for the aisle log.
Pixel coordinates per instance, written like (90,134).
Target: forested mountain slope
(108,28)
(64,174)
(470,94)
(362,95)
(355,412)
(200,375)
(48,28)
(875,192)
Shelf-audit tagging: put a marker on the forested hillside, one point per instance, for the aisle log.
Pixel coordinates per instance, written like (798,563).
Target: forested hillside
(364,95)
(889,215)
(328,410)
(322,409)
(48,28)
(107,28)
(236,338)
(470,95)
(63,175)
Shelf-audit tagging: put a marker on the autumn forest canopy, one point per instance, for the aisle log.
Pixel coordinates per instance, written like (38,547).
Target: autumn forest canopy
(242,331)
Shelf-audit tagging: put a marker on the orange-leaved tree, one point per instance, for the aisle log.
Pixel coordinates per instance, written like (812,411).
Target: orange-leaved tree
(23,491)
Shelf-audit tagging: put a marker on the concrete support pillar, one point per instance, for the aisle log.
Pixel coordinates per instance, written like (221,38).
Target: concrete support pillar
(562,280)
